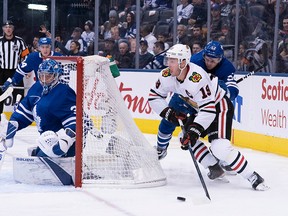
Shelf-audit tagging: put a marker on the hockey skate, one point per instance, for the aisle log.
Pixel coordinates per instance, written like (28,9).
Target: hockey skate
(162,152)
(257,182)
(215,172)
(228,170)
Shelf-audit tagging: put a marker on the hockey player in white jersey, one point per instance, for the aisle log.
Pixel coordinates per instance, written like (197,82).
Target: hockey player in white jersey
(214,116)
(55,115)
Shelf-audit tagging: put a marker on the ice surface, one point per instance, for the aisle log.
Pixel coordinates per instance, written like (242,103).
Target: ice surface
(234,199)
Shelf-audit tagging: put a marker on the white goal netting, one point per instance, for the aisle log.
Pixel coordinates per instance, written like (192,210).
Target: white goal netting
(113,150)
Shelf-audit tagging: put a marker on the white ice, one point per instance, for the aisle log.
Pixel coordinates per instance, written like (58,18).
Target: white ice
(234,199)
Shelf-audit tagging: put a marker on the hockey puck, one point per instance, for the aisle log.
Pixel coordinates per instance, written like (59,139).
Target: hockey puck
(181,198)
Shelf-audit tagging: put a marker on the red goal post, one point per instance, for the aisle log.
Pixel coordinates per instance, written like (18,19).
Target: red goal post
(110,149)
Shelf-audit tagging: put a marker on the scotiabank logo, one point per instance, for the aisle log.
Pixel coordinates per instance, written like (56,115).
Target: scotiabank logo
(274,92)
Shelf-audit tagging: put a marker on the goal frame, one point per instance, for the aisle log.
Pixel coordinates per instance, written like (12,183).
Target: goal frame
(79,113)
(137,169)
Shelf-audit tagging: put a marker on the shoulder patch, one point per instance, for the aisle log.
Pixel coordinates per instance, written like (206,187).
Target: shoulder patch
(166,72)
(195,77)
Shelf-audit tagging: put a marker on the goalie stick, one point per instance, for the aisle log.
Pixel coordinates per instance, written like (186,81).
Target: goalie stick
(6,94)
(195,162)
(3,129)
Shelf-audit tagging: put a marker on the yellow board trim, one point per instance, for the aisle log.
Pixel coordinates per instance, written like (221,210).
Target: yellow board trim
(240,138)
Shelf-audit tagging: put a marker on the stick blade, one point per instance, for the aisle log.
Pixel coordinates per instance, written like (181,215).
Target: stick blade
(6,94)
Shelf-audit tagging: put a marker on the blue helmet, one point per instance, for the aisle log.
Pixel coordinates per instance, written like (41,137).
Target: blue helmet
(44,41)
(46,68)
(214,50)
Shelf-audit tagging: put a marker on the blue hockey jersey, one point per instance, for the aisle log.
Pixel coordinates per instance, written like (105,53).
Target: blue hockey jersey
(224,71)
(31,63)
(51,111)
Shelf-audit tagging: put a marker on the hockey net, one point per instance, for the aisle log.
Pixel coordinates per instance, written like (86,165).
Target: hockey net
(110,149)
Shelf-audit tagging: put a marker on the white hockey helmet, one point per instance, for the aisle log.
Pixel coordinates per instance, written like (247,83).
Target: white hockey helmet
(180,52)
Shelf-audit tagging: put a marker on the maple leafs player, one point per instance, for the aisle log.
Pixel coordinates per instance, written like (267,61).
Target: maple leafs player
(32,62)
(213,61)
(215,111)
(55,118)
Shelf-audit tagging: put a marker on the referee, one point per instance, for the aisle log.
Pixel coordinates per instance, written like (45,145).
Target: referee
(13,50)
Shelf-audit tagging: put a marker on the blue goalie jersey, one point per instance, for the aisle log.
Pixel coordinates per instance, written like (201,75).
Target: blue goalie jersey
(51,111)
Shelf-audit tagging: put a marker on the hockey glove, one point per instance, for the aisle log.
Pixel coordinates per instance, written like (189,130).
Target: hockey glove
(172,116)
(56,145)
(191,135)
(6,84)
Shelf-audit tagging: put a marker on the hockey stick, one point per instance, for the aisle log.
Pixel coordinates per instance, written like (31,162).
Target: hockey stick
(6,94)
(2,139)
(265,62)
(9,91)
(195,162)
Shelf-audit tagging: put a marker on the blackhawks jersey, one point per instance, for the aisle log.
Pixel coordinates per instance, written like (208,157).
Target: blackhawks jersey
(199,87)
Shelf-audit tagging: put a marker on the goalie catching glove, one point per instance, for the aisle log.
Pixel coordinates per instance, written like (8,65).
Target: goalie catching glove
(172,116)
(191,135)
(56,144)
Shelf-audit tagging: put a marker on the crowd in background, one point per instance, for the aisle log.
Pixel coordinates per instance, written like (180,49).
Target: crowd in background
(117,33)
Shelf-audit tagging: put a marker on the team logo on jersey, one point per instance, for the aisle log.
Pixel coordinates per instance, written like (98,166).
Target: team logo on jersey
(158,83)
(196,77)
(166,72)
(15,48)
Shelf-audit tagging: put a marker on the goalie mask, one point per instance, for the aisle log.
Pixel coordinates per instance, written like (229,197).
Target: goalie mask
(48,74)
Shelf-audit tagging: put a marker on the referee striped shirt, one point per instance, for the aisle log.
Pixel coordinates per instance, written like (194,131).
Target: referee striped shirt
(12,51)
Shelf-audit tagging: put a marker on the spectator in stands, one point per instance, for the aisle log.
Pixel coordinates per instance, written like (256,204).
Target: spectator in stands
(145,57)
(34,47)
(115,34)
(199,14)
(182,36)
(146,33)
(282,57)
(241,66)
(58,38)
(129,27)
(105,29)
(109,48)
(158,62)
(196,47)
(226,7)
(216,21)
(74,50)
(283,33)
(163,36)
(123,57)
(197,34)
(88,35)
(226,37)
(244,29)
(184,11)
(76,36)
(149,5)
(164,4)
